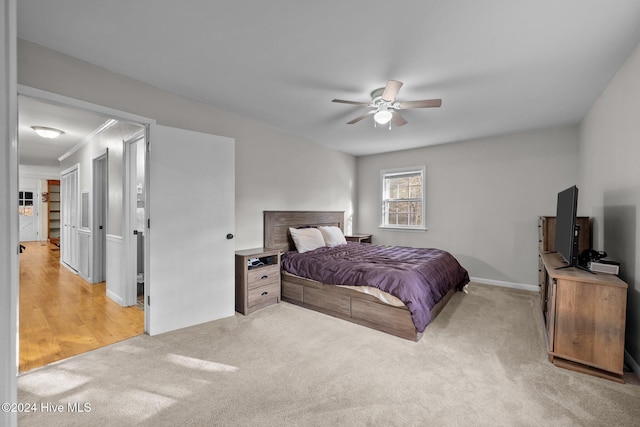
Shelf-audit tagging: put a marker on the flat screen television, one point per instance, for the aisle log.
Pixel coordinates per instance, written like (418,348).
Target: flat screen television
(566,231)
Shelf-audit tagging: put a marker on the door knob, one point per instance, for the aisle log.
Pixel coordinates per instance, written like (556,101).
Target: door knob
(229,236)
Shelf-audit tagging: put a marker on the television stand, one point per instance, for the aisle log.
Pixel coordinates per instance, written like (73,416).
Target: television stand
(584,318)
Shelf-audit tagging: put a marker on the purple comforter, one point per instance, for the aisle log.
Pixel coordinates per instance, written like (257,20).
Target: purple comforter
(418,277)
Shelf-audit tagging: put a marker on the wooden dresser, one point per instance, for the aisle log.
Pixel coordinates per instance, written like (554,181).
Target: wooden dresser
(257,279)
(584,316)
(547,233)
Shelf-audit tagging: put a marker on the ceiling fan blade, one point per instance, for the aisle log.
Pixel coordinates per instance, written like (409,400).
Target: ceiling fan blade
(391,90)
(362,117)
(426,103)
(342,101)
(397,120)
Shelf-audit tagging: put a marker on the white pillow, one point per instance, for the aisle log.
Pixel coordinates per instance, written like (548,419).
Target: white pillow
(332,235)
(306,239)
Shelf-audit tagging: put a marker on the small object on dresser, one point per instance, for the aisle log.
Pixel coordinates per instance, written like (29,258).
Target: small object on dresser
(254,262)
(604,266)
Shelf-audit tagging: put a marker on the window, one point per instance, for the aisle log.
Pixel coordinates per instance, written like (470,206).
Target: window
(25,203)
(403,198)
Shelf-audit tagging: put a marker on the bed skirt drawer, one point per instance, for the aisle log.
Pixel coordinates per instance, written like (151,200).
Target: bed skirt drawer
(386,315)
(292,291)
(333,302)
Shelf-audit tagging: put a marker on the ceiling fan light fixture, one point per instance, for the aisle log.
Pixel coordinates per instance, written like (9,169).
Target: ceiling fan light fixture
(383,116)
(47,132)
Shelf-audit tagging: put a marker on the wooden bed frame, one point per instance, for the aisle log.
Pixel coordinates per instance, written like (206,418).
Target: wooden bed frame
(336,301)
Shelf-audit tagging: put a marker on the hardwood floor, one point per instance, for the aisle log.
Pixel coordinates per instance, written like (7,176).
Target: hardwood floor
(61,315)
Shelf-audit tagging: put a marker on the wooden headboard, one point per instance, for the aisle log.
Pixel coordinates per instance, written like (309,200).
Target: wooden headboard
(277,223)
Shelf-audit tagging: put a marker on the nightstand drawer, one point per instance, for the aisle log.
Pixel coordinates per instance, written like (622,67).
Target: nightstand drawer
(263,275)
(264,295)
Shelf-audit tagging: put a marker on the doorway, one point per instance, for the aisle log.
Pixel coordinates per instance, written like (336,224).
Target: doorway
(89,318)
(189,278)
(99,225)
(28,210)
(135,211)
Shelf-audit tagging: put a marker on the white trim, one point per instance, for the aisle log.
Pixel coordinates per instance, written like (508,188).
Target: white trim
(9,263)
(70,169)
(136,136)
(106,125)
(399,228)
(512,285)
(114,297)
(632,363)
(84,236)
(68,267)
(114,274)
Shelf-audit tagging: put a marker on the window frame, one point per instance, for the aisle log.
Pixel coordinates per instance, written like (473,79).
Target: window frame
(387,173)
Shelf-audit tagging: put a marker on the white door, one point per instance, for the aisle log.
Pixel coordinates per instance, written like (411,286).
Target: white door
(28,210)
(135,202)
(191,212)
(69,215)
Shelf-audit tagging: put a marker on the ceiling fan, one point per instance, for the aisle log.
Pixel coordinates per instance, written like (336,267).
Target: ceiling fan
(385,107)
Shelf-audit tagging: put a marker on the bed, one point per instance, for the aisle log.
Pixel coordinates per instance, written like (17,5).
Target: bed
(364,305)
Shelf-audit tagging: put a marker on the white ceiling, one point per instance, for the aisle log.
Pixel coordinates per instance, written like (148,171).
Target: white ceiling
(499,66)
(38,151)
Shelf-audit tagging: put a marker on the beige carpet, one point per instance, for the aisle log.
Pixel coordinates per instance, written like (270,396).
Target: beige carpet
(481,362)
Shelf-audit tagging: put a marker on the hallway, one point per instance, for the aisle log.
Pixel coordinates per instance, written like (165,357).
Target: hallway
(61,315)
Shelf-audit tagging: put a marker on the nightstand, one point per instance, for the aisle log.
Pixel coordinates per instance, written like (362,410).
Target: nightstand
(257,279)
(360,238)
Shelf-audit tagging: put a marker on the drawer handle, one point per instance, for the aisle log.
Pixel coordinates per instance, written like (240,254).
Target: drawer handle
(264,277)
(264,293)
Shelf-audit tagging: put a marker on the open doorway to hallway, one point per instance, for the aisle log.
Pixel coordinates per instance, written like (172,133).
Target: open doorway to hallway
(71,295)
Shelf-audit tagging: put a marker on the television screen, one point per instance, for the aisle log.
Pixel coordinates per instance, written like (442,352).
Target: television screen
(566,237)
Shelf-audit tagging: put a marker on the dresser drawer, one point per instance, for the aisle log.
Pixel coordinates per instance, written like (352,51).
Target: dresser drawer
(264,295)
(263,275)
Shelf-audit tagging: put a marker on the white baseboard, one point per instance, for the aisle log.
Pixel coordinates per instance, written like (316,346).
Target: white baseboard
(114,297)
(521,286)
(632,363)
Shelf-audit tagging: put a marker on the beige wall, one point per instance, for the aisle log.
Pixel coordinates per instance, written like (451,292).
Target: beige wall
(610,182)
(483,198)
(274,170)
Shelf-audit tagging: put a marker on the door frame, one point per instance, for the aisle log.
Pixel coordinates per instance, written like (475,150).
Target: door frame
(130,204)
(100,206)
(54,98)
(9,262)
